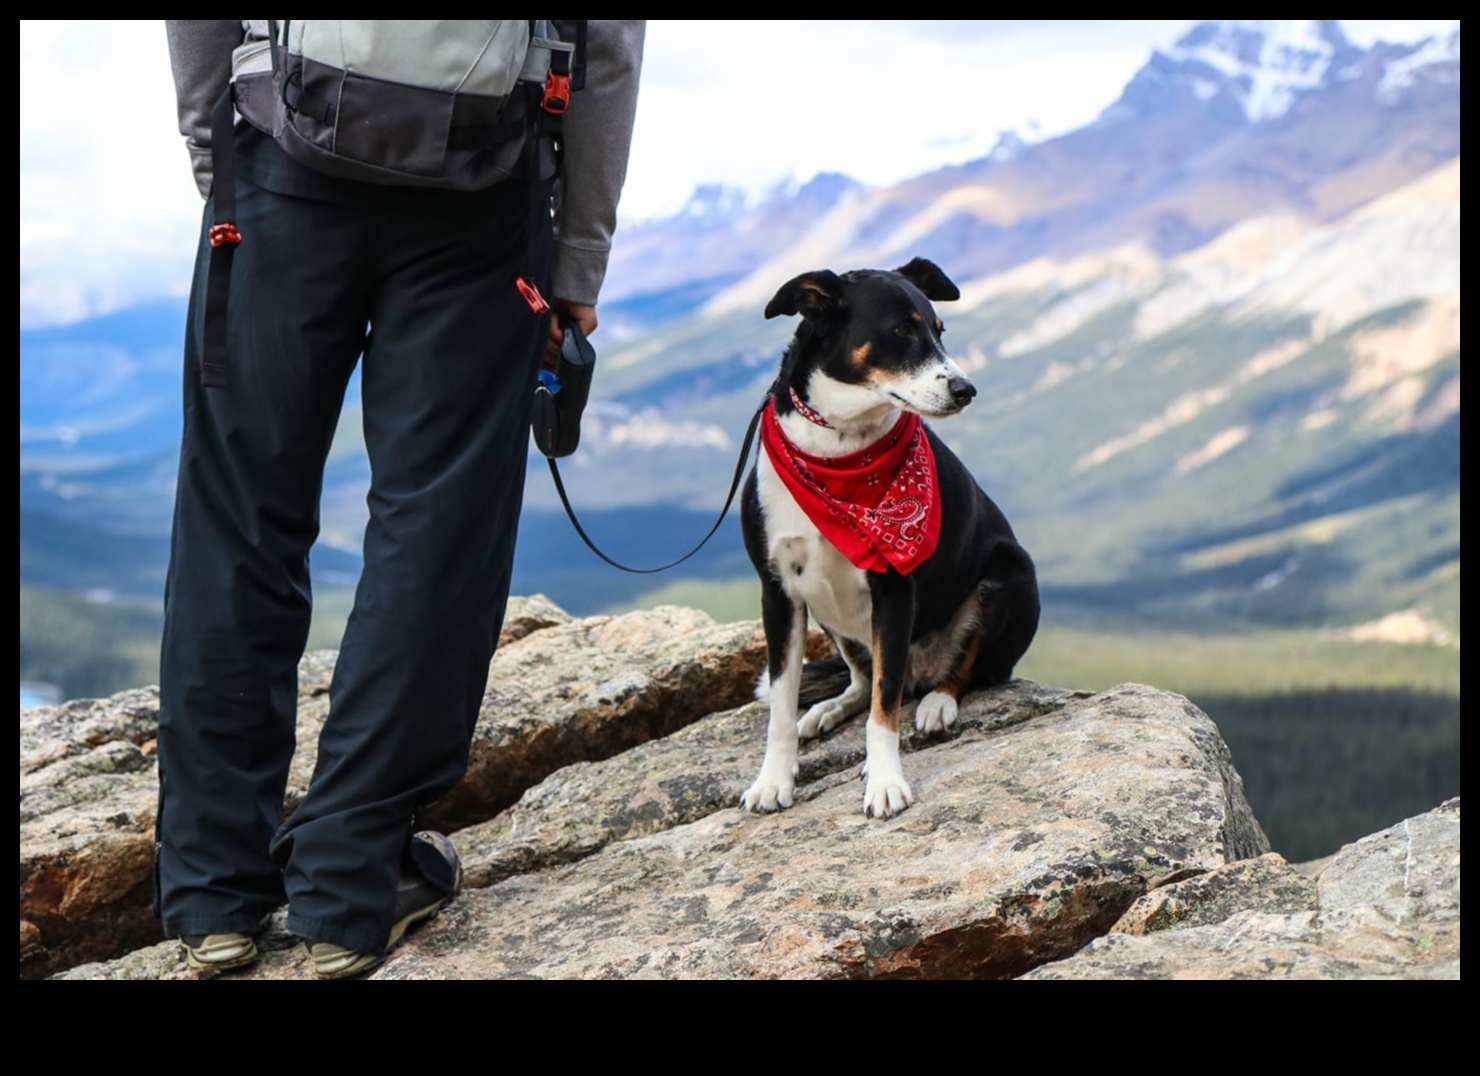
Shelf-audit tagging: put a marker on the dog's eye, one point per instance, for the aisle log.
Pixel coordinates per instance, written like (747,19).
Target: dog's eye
(905,329)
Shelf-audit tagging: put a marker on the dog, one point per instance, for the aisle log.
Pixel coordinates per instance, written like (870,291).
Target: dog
(919,582)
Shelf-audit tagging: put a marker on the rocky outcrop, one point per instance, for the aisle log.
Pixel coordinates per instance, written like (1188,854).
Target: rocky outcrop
(88,795)
(1266,882)
(561,691)
(1385,907)
(578,690)
(1036,825)
(1055,834)
(1040,821)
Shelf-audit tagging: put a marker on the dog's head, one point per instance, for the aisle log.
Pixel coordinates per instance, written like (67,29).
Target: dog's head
(873,338)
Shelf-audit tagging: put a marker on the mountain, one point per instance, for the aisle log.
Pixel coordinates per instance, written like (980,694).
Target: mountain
(1191,148)
(1216,333)
(1221,321)
(662,269)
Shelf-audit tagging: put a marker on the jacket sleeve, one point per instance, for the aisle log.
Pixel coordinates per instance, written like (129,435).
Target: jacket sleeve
(200,55)
(598,136)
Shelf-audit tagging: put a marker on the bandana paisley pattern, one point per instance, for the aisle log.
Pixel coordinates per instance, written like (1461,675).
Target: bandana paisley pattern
(880,506)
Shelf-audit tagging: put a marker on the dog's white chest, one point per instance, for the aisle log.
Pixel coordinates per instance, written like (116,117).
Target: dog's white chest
(810,568)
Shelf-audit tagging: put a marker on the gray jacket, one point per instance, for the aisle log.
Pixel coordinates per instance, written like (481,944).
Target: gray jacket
(597,132)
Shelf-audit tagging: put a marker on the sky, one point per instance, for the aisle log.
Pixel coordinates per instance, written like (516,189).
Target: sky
(109,213)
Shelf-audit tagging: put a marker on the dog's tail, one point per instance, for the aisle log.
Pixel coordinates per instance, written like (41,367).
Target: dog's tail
(824,679)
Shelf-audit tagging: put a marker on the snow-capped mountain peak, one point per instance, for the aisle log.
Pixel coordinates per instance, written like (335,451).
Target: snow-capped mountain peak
(1436,54)
(1262,64)
(716,202)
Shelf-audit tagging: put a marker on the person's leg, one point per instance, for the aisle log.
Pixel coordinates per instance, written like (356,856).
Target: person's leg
(237,594)
(448,383)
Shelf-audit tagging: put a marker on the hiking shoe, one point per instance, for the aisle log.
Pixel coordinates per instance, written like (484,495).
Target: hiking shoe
(219,952)
(417,898)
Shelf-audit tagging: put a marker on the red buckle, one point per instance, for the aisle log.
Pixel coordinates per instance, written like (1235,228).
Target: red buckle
(532,296)
(224,233)
(557,93)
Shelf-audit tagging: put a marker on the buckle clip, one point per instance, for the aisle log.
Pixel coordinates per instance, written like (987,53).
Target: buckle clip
(557,93)
(532,296)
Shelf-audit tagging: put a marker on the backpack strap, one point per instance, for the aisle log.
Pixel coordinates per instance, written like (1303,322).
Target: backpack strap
(549,97)
(224,239)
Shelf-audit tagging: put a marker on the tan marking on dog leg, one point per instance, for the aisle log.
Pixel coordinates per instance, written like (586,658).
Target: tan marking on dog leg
(885,791)
(886,717)
(960,678)
(961,675)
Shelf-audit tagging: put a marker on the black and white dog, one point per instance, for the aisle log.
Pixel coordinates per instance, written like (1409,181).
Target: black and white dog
(856,512)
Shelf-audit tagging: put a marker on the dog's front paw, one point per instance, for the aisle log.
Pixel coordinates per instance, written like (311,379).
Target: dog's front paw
(769,793)
(936,713)
(883,797)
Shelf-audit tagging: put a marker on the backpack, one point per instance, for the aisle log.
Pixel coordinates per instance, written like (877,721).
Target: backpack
(424,103)
(448,104)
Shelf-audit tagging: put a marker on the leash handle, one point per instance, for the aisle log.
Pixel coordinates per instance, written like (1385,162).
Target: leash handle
(734,485)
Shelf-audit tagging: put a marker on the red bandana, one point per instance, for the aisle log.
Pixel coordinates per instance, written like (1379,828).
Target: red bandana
(879,506)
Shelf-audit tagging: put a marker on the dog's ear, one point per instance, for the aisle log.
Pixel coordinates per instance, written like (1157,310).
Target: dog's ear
(810,295)
(926,276)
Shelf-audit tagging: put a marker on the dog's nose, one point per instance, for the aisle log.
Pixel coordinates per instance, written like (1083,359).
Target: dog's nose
(962,391)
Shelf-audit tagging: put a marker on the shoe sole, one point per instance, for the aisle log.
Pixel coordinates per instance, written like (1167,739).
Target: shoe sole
(241,960)
(357,963)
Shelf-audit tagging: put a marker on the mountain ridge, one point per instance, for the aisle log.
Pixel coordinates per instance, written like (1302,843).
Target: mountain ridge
(1176,315)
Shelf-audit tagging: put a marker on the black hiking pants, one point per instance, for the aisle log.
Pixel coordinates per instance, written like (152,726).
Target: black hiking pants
(422,285)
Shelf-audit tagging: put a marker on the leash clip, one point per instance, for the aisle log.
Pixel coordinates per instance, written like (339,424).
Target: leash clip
(224,233)
(556,98)
(531,295)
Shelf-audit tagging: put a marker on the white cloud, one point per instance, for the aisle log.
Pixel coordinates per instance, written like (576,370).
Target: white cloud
(109,212)
(749,103)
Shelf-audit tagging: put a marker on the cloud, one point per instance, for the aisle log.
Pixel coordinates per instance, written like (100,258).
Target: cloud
(109,213)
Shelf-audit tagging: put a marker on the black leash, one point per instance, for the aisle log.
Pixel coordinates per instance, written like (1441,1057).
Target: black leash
(734,485)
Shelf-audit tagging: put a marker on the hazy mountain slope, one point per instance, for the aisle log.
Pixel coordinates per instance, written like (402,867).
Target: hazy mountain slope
(1216,334)
(1263,429)
(662,269)
(1187,152)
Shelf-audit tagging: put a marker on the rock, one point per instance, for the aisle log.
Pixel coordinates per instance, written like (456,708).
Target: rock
(1055,835)
(316,672)
(580,809)
(591,688)
(1266,884)
(1036,826)
(87,800)
(1387,907)
(564,691)
(681,778)
(164,960)
(524,616)
(1408,873)
(1026,840)
(50,734)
